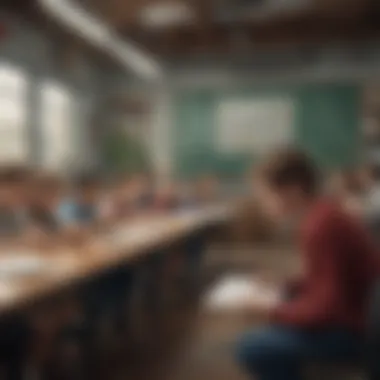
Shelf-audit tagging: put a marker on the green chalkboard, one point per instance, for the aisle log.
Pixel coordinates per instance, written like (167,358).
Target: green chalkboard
(326,125)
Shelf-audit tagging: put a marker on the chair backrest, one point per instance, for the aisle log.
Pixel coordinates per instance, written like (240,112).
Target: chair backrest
(372,350)
(373,224)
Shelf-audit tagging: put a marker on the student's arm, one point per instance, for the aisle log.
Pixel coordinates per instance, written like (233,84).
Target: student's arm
(325,288)
(107,215)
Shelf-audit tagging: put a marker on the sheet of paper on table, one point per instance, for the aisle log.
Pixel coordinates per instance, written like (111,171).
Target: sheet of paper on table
(21,263)
(134,234)
(7,292)
(234,293)
(213,212)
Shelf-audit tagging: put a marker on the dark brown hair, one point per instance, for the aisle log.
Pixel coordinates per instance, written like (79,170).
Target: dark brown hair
(290,167)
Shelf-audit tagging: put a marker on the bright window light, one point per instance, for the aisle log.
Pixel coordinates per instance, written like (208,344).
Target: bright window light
(166,14)
(56,121)
(13,109)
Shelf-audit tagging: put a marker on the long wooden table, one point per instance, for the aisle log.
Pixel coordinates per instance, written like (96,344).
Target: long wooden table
(67,267)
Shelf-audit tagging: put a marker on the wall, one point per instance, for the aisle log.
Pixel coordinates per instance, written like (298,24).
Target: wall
(325,83)
(35,52)
(326,125)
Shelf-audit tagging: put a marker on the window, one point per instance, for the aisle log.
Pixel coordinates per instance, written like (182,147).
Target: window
(13,109)
(56,126)
(254,125)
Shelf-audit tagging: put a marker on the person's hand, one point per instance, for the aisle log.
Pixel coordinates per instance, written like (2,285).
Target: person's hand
(264,299)
(270,281)
(260,311)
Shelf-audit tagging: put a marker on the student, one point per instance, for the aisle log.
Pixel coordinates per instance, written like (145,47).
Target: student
(45,198)
(186,197)
(370,180)
(13,221)
(325,317)
(142,196)
(82,208)
(207,190)
(118,204)
(371,183)
(166,197)
(348,189)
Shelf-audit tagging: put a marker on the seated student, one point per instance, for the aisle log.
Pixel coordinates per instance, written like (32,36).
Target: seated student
(13,220)
(142,192)
(347,188)
(118,203)
(371,184)
(370,180)
(187,196)
(324,318)
(43,210)
(207,190)
(82,208)
(166,197)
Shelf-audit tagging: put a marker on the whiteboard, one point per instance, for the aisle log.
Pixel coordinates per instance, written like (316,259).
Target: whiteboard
(254,125)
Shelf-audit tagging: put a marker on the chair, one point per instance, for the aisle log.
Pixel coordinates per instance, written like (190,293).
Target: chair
(372,349)
(16,336)
(369,367)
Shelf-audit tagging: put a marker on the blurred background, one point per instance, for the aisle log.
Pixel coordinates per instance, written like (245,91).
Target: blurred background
(182,89)
(191,86)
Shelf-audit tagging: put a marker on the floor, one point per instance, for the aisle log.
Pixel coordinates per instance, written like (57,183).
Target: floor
(184,340)
(190,343)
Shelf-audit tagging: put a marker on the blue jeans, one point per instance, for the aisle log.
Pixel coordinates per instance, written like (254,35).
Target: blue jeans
(278,353)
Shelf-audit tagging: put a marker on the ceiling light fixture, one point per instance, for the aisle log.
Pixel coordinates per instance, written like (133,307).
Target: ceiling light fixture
(166,14)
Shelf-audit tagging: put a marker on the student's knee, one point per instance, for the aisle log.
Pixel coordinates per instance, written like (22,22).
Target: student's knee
(249,350)
(255,350)
(243,352)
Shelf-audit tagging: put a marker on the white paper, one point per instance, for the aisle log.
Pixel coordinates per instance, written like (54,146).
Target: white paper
(240,292)
(6,292)
(21,264)
(135,234)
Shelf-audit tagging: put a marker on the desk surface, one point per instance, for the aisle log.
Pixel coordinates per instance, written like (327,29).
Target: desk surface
(44,274)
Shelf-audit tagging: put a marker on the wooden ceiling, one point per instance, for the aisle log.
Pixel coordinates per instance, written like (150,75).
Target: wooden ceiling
(317,22)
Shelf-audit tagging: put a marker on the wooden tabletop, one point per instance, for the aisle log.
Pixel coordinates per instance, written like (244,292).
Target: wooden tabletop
(54,271)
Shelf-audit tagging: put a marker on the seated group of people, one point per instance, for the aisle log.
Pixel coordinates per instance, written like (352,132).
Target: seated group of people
(43,211)
(359,192)
(323,313)
(37,208)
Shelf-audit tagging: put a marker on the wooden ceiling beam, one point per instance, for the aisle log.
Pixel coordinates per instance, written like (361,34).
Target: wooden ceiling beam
(323,22)
(300,35)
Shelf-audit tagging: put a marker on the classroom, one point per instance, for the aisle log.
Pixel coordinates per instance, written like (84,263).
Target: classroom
(189,189)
